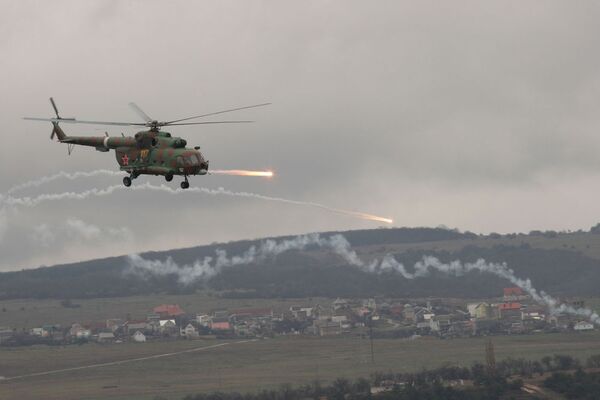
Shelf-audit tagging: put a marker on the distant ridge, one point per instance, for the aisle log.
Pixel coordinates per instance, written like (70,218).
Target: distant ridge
(563,264)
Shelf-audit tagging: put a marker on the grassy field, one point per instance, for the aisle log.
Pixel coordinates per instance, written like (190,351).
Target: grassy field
(252,365)
(585,243)
(30,313)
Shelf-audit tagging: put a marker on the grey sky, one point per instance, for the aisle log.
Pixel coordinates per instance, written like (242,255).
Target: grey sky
(476,115)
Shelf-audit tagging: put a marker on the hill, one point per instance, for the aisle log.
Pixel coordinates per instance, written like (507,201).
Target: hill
(566,264)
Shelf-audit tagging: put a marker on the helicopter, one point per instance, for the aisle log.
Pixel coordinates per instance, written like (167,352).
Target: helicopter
(148,152)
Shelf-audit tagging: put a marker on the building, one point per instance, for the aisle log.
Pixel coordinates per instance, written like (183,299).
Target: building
(142,326)
(79,332)
(168,327)
(203,319)
(327,328)
(513,294)
(104,337)
(480,310)
(583,326)
(139,337)
(189,332)
(5,334)
(510,310)
(220,324)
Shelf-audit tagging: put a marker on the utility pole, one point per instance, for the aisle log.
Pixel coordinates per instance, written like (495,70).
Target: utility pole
(371,338)
(490,357)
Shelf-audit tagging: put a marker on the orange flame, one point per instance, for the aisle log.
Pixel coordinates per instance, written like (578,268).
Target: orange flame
(242,172)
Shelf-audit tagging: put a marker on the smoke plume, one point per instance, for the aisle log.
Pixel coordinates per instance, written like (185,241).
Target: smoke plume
(62,175)
(211,266)
(32,201)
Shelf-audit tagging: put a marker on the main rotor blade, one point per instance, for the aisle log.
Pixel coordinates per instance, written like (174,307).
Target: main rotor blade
(76,121)
(215,113)
(211,122)
(140,112)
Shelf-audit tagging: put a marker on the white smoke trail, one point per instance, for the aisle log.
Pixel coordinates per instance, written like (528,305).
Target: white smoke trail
(209,267)
(95,192)
(62,175)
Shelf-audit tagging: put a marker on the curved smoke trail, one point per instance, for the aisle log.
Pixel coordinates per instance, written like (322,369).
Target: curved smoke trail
(62,175)
(32,201)
(210,266)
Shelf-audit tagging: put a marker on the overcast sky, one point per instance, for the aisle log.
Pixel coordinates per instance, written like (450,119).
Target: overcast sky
(477,115)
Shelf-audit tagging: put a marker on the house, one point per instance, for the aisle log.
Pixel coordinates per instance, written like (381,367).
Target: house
(189,332)
(512,294)
(370,304)
(142,326)
(480,310)
(327,328)
(168,311)
(203,319)
(560,321)
(37,332)
(510,310)
(139,337)
(302,313)
(168,327)
(79,332)
(339,304)
(220,324)
(104,337)
(533,313)
(114,324)
(440,323)
(583,326)
(220,314)
(5,334)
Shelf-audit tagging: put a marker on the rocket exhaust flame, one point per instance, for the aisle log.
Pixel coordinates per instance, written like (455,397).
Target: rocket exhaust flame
(242,172)
(208,267)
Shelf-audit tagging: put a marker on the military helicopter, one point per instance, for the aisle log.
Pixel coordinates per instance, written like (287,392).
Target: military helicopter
(149,152)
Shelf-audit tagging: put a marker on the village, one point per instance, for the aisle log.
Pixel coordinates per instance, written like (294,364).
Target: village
(513,313)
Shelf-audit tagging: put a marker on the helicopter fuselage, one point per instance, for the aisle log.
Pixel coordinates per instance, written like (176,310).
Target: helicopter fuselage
(148,152)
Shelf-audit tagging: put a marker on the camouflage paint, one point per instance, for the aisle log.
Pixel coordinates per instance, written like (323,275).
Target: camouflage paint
(148,152)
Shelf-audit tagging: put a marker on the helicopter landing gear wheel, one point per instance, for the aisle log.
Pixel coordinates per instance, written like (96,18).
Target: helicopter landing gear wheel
(185,184)
(169,177)
(127,181)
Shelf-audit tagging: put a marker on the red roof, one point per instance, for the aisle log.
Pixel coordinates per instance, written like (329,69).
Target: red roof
(509,306)
(171,310)
(513,291)
(223,326)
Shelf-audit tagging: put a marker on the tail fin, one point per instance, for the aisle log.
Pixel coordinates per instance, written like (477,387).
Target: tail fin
(57,130)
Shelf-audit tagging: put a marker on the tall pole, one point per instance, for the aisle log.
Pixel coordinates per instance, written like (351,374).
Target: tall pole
(371,338)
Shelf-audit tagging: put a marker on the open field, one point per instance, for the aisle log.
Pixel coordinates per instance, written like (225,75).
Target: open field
(585,243)
(30,313)
(251,365)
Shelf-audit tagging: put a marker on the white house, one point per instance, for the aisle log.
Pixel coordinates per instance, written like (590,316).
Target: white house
(139,337)
(189,331)
(583,326)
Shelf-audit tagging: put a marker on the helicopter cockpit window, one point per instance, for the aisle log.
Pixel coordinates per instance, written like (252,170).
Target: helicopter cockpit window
(191,160)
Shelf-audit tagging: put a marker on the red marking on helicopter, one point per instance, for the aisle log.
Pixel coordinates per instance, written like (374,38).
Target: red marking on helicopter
(125,159)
